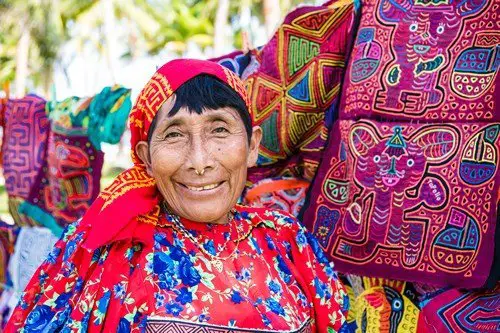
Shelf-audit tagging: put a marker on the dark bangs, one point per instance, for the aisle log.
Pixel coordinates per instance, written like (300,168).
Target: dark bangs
(207,92)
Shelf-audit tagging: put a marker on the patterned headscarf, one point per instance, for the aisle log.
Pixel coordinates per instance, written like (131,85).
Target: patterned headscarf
(130,205)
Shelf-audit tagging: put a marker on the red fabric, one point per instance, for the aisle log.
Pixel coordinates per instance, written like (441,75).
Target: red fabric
(112,217)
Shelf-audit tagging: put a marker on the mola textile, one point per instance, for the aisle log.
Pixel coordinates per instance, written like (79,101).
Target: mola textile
(74,160)
(459,311)
(294,82)
(25,132)
(408,185)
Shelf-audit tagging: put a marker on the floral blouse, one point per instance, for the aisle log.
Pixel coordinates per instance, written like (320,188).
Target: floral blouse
(262,272)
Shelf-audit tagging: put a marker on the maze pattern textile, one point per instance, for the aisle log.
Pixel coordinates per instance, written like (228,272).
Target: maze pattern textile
(409,201)
(431,60)
(74,160)
(26,129)
(380,306)
(457,311)
(293,83)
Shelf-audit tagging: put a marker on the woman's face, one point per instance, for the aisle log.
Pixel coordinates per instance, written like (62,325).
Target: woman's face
(200,162)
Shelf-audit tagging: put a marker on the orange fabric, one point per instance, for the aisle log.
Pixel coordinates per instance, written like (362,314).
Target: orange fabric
(282,184)
(129,207)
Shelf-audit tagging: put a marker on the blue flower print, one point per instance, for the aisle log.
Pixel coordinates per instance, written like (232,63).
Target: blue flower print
(119,290)
(236,297)
(301,239)
(70,249)
(244,275)
(123,326)
(203,318)
(174,308)
(320,255)
(104,302)
(62,300)
(265,320)
(162,264)
(275,306)
(210,247)
(38,319)
(274,286)
(283,269)
(330,273)
(53,255)
(184,296)
(78,284)
(160,299)
(177,254)
(168,281)
(161,238)
(321,289)
(188,273)
(270,243)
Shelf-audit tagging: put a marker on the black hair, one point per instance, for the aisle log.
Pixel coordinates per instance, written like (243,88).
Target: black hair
(207,92)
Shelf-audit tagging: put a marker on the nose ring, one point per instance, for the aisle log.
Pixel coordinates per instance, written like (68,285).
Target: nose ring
(200,173)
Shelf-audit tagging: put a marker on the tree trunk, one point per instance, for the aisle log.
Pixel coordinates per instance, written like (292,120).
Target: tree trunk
(220,27)
(22,57)
(272,15)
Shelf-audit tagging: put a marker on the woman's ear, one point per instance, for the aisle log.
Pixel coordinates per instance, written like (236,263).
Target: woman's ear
(142,150)
(254,146)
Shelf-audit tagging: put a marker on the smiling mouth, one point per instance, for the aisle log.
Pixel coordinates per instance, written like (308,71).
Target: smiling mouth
(421,49)
(202,188)
(390,181)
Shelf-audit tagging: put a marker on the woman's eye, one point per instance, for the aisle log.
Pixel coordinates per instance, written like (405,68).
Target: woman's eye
(173,135)
(220,130)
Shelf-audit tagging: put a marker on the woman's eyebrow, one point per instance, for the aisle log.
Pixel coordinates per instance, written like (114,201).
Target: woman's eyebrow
(169,123)
(221,116)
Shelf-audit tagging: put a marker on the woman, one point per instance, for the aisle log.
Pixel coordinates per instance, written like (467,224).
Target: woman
(166,248)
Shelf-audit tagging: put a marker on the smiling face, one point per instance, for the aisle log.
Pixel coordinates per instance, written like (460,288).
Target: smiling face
(426,32)
(200,161)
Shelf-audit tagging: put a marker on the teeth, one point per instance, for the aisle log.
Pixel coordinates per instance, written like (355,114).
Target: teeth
(204,188)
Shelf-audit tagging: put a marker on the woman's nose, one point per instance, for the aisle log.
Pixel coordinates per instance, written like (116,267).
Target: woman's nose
(200,156)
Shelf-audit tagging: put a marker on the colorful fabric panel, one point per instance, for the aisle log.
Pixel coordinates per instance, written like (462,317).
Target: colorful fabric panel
(380,306)
(458,311)
(426,60)
(294,83)
(409,201)
(26,129)
(74,159)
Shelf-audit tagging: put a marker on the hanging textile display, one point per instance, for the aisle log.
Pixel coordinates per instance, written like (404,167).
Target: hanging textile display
(459,311)
(74,156)
(294,83)
(25,133)
(408,187)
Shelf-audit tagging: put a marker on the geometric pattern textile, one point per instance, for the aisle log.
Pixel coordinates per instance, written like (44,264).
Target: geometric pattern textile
(74,160)
(293,82)
(409,201)
(25,133)
(458,311)
(427,60)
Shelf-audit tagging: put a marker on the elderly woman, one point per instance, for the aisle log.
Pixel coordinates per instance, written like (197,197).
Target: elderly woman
(166,248)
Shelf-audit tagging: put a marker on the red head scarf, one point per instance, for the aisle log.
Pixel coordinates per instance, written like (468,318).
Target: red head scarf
(130,205)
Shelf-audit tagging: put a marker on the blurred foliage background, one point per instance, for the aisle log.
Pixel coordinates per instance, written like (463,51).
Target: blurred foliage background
(79,46)
(33,33)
